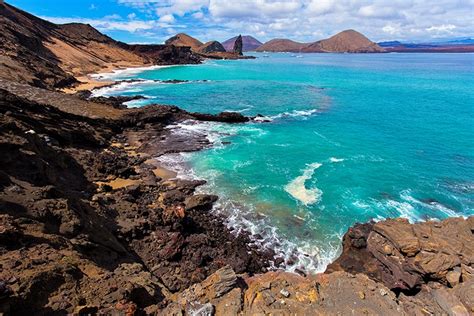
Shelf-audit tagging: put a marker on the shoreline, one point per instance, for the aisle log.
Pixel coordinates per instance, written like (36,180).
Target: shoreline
(125,236)
(93,81)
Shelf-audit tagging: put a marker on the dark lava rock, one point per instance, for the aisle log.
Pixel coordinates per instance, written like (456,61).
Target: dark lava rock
(238,45)
(225,117)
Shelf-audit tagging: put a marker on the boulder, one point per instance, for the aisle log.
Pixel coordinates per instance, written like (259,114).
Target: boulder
(200,202)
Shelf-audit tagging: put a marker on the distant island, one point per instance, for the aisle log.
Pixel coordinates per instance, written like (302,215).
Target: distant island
(348,41)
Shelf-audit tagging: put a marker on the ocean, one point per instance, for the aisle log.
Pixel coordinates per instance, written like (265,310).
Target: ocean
(350,138)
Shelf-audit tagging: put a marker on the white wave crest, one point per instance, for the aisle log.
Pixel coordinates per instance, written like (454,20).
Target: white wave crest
(126,72)
(124,86)
(295,113)
(335,160)
(298,190)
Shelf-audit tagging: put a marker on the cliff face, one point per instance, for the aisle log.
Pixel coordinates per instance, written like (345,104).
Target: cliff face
(50,56)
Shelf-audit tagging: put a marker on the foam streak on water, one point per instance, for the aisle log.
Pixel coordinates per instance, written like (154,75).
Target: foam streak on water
(297,188)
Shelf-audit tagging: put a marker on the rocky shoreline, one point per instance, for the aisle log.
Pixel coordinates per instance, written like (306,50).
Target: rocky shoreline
(90,224)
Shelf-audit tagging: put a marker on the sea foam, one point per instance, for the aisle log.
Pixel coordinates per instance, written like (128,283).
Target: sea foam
(298,190)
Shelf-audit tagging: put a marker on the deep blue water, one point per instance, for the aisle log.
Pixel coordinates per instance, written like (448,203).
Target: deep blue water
(352,138)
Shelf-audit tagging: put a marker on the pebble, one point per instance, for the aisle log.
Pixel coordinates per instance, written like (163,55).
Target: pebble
(285,293)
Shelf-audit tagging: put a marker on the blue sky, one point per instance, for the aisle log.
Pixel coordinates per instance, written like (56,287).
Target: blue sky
(153,21)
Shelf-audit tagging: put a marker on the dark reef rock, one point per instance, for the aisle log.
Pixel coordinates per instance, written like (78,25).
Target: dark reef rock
(226,117)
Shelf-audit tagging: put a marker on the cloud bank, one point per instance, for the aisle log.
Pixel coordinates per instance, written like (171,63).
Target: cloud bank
(303,20)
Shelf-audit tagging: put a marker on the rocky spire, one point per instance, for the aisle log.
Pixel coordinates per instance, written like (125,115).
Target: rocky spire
(238,45)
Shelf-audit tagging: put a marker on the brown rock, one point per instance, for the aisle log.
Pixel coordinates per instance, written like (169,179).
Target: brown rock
(201,202)
(453,278)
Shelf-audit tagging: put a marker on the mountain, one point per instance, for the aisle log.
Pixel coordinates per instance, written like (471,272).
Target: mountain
(51,56)
(183,39)
(453,46)
(250,43)
(211,47)
(281,45)
(389,43)
(348,41)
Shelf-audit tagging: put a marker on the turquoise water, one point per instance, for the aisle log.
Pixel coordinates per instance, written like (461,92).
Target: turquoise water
(352,138)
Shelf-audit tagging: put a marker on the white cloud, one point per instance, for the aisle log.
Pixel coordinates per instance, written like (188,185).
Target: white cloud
(168,18)
(253,8)
(302,20)
(321,6)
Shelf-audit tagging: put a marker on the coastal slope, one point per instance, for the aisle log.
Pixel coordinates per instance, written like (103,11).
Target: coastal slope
(49,55)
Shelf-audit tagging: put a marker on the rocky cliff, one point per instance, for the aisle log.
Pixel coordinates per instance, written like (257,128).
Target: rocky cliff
(50,56)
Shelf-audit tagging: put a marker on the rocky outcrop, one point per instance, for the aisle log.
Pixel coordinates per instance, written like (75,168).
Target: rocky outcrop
(444,289)
(405,256)
(238,45)
(86,226)
(211,47)
(428,264)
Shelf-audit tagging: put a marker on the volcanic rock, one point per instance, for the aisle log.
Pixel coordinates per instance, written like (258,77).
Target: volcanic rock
(211,47)
(185,40)
(348,41)
(238,46)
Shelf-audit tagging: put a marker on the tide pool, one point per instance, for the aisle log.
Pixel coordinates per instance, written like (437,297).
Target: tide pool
(352,137)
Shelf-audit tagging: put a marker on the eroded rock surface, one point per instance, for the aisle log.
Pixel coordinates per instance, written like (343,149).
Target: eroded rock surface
(86,226)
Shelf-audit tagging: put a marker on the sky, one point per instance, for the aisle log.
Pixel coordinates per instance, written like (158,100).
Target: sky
(153,21)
